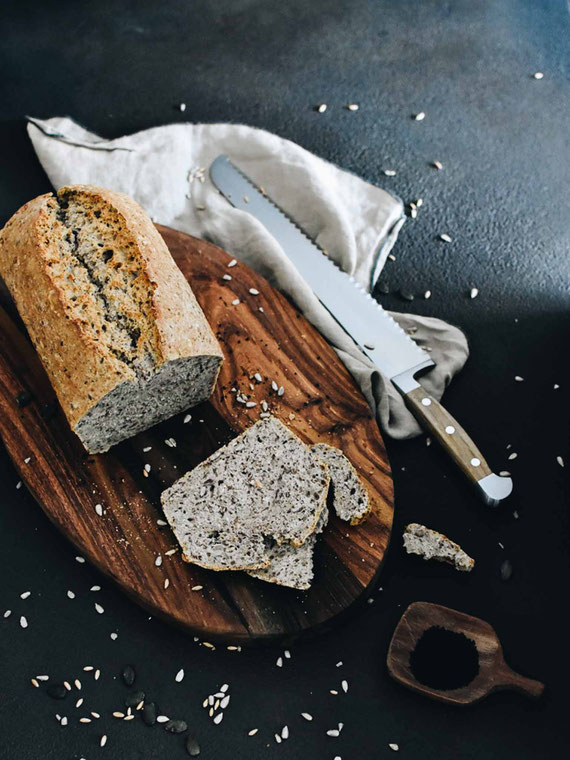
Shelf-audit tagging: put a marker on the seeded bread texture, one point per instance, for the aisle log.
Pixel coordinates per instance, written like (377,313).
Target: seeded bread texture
(115,323)
(349,497)
(266,483)
(291,566)
(430,544)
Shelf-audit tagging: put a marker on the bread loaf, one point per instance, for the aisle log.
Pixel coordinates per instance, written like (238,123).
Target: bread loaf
(116,325)
(266,483)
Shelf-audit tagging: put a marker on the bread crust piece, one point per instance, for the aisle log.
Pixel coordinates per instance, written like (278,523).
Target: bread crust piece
(429,544)
(67,331)
(350,497)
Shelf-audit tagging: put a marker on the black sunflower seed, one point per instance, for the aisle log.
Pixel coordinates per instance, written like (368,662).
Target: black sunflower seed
(406,296)
(149,713)
(23,398)
(176,726)
(129,675)
(135,698)
(383,287)
(192,747)
(506,570)
(57,691)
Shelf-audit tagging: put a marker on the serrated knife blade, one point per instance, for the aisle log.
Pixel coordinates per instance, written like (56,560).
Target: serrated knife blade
(375,332)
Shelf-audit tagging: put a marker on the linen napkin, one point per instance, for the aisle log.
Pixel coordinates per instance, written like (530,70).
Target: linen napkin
(165,169)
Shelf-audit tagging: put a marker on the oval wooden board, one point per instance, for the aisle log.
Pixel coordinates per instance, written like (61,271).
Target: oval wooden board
(321,403)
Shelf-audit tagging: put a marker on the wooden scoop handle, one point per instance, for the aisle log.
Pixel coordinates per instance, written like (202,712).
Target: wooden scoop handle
(508,679)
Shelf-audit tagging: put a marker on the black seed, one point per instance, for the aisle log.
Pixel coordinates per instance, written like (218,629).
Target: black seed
(57,691)
(135,698)
(406,296)
(23,398)
(176,726)
(383,287)
(192,747)
(48,410)
(149,713)
(506,570)
(128,675)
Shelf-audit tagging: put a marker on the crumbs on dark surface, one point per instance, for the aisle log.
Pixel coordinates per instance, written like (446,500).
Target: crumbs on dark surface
(444,659)
(23,398)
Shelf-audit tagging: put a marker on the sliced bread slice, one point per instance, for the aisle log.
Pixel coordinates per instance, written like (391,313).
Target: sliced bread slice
(264,483)
(430,544)
(291,566)
(350,498)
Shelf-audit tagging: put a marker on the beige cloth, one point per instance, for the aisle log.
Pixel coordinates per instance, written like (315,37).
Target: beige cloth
(166,170)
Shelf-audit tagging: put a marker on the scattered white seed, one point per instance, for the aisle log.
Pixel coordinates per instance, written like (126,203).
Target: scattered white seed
(166,583)
(394,747)
(437,165)
(114,636)
(27,460)
(250,404)
(63,721)
(254,291)
(224,687)
(99,609)
(103,740)
(419,203)
(97,674)
(333,691)
(118,715)
(162,719)
(333,732)
(419,116)
(67,685)
(235,302)
(538,75)
(560,461)
(445,237)
(147,449)
(227,277)
(161,523)
(197,588)
(85,720)
(77,684)
(42,678)
(278,738)
(79,702)
(513,455)
(225,702)
(232,263)
(25,595)
(307,716)
(34,683)
(23,621)
(99,509)
(170,442)
(81,560)
(344,685)
(519,379)
(322,108)
(274,386)
(281,390)
(158,560)
(18,484)
(179,676)
(474,292)
(279,662)
(219,718)
(504,473)
(252,732)
(187,419)
(339,664)
(389,172)
(170,552)
(556,386)
(182,107)
(285,732)
(427,294)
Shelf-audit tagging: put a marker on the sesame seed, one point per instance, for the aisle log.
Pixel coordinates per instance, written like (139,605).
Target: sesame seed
(445,237)
(97,674)
(147,467)
(339,664)
(187,419)
(162,719)
(333,732)
(333,691)
(274,385)
(538,75)
(227,277)
(170,442)
(99,509)
(27,460)
(158,561)
(42,678)
(352,107)
(99,609)
(118,715)
(279,662)
(225,702)
(182,107)
(322,108)
(34,683)
(252,732)
(281,390)
(103,740)
(344,685)
(170,552)
(560,461)
(79,702)
(232,263)
(254,291)
(18,484)
(85,720)
(23,621)
(63,721)
(219,718)
(114,636)
(278,738)
(307,716)
(474,292)
(197,588)
(81,560)
(394,747)
(179,676)
(161,523)
(77,684)
(67,685)
(519,379)
(391,257)
(389,172)
(513,455)
(437,165)
(235,302)
(427,294)
(287,654)
(419,116)
(285,732)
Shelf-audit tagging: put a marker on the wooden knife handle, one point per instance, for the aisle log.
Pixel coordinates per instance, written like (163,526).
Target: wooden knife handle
(439,422)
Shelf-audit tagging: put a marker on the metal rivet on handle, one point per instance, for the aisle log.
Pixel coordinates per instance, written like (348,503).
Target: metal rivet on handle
(475,462)
(426,401)
(450,429)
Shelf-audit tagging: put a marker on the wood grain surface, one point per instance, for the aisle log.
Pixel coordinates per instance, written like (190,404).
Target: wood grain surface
(262,334)
(494,674)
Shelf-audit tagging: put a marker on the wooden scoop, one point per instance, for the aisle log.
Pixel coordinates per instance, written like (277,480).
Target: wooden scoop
(494,674)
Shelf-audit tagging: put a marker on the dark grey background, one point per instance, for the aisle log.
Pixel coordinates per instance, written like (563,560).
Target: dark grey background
(503,196)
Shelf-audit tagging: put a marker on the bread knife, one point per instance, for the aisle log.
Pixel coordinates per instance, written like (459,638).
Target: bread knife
(374,331)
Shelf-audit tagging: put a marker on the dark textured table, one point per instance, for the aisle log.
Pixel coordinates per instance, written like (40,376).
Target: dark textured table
(502,195)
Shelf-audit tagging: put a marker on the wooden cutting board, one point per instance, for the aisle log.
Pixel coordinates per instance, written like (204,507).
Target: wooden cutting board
(263,334)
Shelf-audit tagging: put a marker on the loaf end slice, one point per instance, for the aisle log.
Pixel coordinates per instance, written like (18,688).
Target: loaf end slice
(349,496)
(430,544)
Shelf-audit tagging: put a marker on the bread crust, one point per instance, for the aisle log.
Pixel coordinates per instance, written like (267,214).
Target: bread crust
(82,369)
